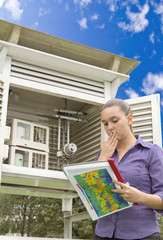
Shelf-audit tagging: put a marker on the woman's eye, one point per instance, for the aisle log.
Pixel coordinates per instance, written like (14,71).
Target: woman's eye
(115,120)
(112,122)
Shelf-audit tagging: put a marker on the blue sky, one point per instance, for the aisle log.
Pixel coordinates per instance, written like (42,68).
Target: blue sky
(131,28)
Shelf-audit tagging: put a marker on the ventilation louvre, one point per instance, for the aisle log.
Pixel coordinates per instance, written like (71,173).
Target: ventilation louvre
(87,137)
(146,118)
(1,99)
(55,79)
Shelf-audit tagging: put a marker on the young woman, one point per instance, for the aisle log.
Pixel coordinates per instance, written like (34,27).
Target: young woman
(141,164)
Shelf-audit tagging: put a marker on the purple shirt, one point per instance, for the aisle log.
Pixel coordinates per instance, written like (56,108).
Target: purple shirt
(142,167)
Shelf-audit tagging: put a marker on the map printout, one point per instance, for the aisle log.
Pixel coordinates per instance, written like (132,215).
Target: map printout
(94,188)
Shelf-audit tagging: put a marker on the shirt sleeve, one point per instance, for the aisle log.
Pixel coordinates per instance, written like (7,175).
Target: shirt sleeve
(97,156)
(156,171)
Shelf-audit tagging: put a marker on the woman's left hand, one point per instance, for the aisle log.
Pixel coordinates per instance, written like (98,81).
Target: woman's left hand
(129,194)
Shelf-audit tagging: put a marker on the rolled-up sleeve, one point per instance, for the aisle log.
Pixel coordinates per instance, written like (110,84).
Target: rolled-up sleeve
(156,171)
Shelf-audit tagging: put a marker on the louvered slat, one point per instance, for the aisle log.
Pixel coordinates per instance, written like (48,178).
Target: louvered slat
(88,138)
(84,133)
(53,78)
(1,96)
(91,119)
(142,120)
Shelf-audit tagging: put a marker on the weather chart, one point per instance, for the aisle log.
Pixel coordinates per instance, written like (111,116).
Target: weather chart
(93,183)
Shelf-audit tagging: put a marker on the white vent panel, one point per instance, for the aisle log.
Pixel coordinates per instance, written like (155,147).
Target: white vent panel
(55,79)
(146,118)
(1,99)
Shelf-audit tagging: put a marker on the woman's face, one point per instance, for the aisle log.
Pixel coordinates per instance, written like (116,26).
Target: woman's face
(115,120)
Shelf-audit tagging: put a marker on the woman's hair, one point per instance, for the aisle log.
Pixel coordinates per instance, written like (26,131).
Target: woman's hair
(123,105)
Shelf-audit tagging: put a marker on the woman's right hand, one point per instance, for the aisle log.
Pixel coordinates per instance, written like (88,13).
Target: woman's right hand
(109,147)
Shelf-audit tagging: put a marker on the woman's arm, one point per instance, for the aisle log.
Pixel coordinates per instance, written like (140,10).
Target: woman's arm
(132,194)
(152,200)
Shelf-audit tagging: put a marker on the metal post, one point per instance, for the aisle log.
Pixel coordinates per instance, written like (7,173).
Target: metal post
(67,211)
(59,141)
(68,131)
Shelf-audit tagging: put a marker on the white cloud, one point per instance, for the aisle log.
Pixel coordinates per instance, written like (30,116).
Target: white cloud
(83,3)
(94,17)
(121,54)
(152,2)
(159,10)
(43,12)
(83,23)
(35,24)
(138,21)
(14,7)
(1,2)
(113,5)
(101,26)
(136,57)
(67,7)
(131,93)
(127,2)
(153,83)
(59,1)
(116,4)
(152,37)
(153,53)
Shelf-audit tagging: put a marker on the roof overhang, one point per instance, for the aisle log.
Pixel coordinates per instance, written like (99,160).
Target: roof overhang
(60,64)
(32,39)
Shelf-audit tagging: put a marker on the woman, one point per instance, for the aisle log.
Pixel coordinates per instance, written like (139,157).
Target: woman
(141,164)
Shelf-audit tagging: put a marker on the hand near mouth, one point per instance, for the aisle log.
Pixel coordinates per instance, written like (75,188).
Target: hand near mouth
(109,147)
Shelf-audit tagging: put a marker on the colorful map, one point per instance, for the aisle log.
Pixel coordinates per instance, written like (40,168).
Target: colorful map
(96,187)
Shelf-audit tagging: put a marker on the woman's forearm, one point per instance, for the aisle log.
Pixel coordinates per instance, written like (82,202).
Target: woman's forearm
(132,194)
(152,200)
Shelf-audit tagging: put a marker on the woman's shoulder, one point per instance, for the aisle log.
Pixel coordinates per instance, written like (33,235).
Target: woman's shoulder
(147,144)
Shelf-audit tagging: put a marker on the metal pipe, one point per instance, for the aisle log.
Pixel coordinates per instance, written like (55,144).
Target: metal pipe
(64,129)
(59,141)
(68,131)
(69,111)
(59,134)
(67,117)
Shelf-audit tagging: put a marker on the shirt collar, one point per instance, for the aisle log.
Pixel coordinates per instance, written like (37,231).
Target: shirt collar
(141,142)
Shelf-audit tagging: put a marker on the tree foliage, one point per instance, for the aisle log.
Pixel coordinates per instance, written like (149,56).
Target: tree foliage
(33,216)
(43,217)
(82,229)
(39,217)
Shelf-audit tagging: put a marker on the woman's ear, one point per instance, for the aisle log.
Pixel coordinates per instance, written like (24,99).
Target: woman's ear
(130,119)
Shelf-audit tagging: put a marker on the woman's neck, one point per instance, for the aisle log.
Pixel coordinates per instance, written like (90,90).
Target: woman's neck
(126,143)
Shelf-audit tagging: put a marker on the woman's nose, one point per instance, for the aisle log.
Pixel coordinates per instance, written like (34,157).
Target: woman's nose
(110,126)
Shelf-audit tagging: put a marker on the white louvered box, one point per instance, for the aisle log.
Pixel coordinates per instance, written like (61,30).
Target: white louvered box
(24,157)
(29,135)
